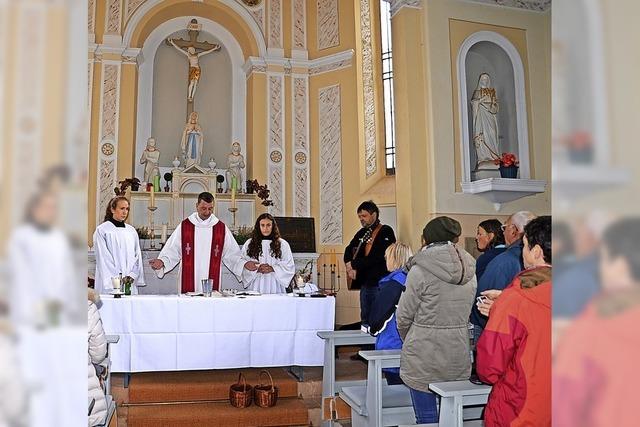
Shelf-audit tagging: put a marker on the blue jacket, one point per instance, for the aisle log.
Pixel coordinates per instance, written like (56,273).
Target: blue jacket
(486,257)
(382,319)
(498,275)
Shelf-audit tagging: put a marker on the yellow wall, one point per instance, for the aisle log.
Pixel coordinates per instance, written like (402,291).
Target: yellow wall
(426,43)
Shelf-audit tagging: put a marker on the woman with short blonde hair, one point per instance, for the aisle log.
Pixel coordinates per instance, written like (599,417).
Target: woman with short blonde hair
(382,317)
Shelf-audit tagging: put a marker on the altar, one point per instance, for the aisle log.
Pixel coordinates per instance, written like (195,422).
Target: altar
(170,333)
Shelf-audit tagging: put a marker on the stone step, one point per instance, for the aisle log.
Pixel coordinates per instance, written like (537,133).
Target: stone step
(287,412)
(188,386)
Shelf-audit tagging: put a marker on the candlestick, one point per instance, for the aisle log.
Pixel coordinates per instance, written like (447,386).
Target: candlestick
(152,209)
(152,197)
(333,256)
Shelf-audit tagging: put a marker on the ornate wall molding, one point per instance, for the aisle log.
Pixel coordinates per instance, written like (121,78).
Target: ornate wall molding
(130,7)
(328,26)
(91,22)
(325,64)
(533,5)
(275,24)
(300,159)
(299,25)
(108,133)
(330,140)
(276,151)
(370,149)
(396,5)
(113,17)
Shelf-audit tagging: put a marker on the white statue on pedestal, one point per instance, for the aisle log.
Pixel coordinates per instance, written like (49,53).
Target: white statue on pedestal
(484,104)
(150,157)
(192,141)
(235,164)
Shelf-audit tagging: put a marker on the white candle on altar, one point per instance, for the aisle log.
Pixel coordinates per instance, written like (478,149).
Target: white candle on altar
(233,192)
(152,198)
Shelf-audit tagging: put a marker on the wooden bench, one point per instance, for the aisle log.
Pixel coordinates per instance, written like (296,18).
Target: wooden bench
(331,387)
(378,404)
(455,395)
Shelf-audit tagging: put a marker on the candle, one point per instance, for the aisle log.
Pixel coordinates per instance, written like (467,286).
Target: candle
(233,193)
(115,282)
(152,197)
(333,256)
(156,183)
(163,235)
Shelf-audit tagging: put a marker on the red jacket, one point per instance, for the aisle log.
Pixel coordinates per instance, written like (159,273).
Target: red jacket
(514,353)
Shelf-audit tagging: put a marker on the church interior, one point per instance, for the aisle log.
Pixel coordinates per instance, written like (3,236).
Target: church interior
(316,212)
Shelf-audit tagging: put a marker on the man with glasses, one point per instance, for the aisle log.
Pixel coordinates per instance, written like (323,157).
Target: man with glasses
(504,267)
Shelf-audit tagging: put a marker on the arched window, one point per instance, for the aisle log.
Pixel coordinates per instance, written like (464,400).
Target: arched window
(387,86)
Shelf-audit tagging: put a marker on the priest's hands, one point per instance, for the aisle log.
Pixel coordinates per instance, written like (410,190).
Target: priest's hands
(265,268)
(251,265)
(156,264)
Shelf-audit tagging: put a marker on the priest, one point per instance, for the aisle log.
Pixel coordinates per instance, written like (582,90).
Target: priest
(201,242)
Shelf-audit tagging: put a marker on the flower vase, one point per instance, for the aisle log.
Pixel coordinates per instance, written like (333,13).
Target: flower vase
(509,171)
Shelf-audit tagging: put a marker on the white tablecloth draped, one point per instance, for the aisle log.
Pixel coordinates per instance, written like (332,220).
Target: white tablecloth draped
(165,333)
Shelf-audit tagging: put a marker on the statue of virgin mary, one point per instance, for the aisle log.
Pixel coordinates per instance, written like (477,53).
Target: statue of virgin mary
(484,105)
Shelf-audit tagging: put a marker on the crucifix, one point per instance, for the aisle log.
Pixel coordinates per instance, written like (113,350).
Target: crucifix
(193,49)
(216,251)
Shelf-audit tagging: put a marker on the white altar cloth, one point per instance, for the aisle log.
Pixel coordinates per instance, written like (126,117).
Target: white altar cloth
(167,333)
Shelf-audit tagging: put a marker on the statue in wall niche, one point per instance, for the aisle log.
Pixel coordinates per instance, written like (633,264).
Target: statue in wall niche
(192,141)
(235,164)
(194,65)
(484,105)
(150,157)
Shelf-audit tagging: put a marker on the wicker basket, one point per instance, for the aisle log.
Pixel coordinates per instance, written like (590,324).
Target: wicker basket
(240,394)
(265,396)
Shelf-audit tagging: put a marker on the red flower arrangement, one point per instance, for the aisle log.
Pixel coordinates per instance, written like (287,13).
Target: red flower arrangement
(507,160)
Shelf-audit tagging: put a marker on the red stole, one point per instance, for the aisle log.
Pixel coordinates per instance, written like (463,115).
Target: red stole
(217,245)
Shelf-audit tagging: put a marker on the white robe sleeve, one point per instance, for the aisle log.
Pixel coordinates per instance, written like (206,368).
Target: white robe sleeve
(248,276)
(138,269)
(171,253)
(231,254)
(284,268)
(105,264)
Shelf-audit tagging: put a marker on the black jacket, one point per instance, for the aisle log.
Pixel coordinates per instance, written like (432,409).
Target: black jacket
(370,269)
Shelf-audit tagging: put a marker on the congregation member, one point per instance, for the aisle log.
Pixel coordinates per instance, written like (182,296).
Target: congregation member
(117,248)
(490,242)
(383,324)
(97,344)
(504,267)
(270,258)
(514,351)
(364,256)
(433,315)
(201,243)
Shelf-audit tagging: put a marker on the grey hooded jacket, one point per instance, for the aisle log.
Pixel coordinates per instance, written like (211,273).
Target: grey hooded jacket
(433,314)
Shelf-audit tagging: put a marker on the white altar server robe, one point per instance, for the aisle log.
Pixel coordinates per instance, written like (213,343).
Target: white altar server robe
(283,269)
(117,251)
(171,253)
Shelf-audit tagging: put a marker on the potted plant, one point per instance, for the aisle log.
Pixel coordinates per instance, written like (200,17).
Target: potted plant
(242,234)
(508,165)
(261,190)
(134,183)
(580,147)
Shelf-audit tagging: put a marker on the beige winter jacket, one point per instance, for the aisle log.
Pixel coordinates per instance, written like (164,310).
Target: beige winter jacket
(433,314)
(97,354)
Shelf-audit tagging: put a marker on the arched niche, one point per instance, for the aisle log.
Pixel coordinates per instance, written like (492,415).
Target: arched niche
(491,53)
(231,49)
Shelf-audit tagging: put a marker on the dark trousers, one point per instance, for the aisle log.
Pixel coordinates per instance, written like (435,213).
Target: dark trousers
(367,297)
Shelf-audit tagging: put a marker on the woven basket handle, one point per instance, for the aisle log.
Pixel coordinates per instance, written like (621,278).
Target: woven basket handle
(244,382)
(270,378)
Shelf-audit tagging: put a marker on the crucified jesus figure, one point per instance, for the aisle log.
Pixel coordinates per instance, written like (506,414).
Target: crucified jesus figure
(194,65)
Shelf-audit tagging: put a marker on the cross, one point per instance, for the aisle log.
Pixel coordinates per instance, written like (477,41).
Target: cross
(193,29)
(216,250)
(188,249)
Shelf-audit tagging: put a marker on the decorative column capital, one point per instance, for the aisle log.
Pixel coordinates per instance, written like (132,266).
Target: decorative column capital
(396,5)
